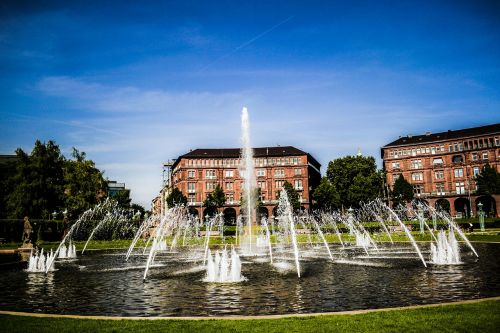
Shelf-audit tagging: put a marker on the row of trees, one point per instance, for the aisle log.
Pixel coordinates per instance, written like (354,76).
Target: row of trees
(44,181)
(217,198)
(349,181)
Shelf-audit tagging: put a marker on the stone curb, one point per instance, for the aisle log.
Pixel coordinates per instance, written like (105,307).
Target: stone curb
(298,315)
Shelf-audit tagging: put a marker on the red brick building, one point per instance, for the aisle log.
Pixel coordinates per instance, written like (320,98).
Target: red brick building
(198,172)
(442,166)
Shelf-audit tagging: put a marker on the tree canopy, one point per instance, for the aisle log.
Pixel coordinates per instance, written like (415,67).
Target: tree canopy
(38,183)
(488,181)
(216,199)
(326,196)
(176,197)
(84,184)
(402,191)
(293,196)
(355,179)
(44,182)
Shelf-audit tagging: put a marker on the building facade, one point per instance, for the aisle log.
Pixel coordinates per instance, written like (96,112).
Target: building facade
(198,172)
(442,167)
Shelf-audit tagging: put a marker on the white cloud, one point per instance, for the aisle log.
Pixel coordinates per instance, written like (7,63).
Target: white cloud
(131,131)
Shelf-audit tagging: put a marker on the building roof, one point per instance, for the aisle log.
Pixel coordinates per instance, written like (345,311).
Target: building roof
(445,136)
(236,153)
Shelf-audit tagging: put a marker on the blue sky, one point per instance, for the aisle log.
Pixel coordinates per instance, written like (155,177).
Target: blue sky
(134,84)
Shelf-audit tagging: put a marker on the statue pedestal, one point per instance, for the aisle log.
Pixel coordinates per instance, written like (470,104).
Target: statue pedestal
(25,251)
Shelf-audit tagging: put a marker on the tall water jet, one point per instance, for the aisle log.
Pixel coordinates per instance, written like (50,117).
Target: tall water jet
(247,171)
(446,251)
(223,269)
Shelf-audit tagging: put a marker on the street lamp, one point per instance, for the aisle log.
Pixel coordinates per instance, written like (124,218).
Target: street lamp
(481,215)
(420,216)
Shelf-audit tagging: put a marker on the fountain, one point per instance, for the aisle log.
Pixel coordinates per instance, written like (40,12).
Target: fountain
(288,263)
(40,262)
(446,251)
(223,269)
(247,170)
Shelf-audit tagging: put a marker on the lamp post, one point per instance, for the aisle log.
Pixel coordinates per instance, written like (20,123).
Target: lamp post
(481,215)
(420,216)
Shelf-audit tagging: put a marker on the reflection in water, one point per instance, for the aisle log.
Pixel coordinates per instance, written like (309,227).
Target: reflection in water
(40,283)
(176,287)
(297,300)
(224,296)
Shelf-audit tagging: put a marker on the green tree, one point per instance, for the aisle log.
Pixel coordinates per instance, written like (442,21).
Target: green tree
(488,181)
(356,179)
(7,170)
(176,198)
(402,191)
(123,198)
(138,208)
(84,184)
(38,184)
(218,197)
(293,196)
(326,196)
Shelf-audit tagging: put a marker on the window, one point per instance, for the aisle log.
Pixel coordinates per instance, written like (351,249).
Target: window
(261,172)
(459,173)
(440,189)
(476,171)
(295,161)
(416,164)
(396,165)
(417,176)
(279,184)
(229,197)
(279,173)
(427,150)
(437,161)
(191,198)
(474,157)
(460,187)
(210,186)
(485,156)
(297,171)
(191,187)
(433,150)
(191,173)
(210,174)
(457,159)
(497,142)
(298,184)
(439,175)
(229,186)
(418,189)
(229,173)
(261,185)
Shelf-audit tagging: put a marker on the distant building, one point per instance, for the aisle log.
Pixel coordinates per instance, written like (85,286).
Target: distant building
(442,166)
(198,172)
(114,188)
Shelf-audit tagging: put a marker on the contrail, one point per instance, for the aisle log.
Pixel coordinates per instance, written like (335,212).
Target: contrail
(248,42)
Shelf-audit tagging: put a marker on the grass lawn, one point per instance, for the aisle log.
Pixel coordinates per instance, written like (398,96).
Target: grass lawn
(483,316)
(490,235)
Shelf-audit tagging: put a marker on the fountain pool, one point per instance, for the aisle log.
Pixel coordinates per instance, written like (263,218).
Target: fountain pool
(103,283)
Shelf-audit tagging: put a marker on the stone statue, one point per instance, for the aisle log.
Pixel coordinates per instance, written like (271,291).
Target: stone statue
(27,231)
